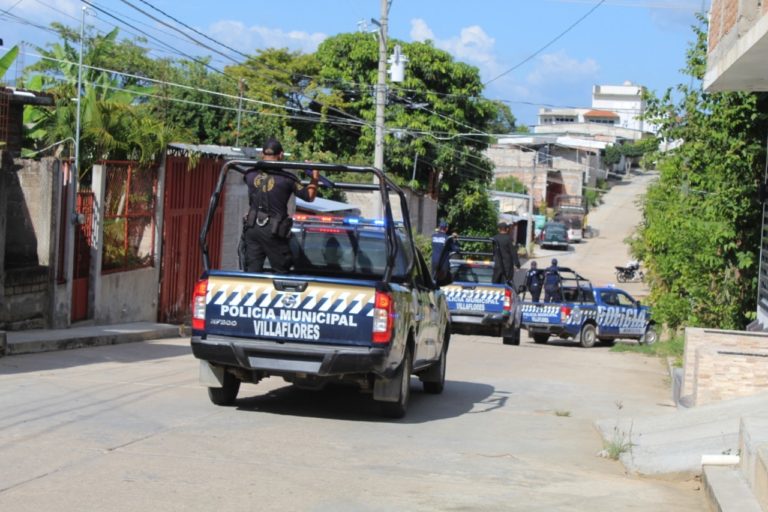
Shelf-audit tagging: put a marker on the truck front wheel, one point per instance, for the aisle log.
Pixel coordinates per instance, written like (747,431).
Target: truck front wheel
(227,393)
(588,336)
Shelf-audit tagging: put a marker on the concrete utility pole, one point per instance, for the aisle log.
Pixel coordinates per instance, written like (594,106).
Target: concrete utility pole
(529,224)
(381,87)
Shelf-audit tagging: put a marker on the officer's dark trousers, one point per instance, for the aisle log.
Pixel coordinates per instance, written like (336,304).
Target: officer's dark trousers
(260,244)
(535,293)
(551,294)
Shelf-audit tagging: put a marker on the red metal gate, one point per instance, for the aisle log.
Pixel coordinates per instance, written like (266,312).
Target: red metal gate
(187,195)
(82,261)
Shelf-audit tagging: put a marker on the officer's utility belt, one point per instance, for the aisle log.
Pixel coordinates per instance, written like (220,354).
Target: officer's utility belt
(279,226)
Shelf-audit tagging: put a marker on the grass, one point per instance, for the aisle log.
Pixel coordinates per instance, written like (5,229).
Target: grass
(672,348)
(562,413)
(621,443)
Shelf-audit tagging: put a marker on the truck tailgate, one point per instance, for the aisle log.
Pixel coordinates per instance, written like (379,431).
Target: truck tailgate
(541,313)
(475,298)
(289,309)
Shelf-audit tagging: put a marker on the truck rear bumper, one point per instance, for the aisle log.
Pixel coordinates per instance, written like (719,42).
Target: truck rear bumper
(490,323)
(281,358)
(556,329)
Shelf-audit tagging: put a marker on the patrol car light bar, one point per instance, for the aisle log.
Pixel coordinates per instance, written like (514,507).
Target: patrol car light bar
(333,219)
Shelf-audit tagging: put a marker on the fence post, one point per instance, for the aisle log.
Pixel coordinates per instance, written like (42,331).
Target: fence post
(99,186)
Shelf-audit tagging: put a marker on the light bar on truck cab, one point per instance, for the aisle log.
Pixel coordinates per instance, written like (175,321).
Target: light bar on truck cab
(337,220)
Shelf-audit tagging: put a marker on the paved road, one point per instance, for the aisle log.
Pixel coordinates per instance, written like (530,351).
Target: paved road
(126,428)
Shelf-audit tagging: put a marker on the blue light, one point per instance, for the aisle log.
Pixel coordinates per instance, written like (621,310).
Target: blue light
(352,220)
(378,222)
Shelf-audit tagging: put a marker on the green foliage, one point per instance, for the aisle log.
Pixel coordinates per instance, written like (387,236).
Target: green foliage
(7,60)
(637,149)
(510,184)
(672,348)
(701,229)
(472,213)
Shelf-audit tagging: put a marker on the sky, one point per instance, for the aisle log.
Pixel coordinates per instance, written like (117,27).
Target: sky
(531,53)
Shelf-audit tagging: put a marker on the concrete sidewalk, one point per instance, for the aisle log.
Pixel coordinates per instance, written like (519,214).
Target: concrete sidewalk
(46,340)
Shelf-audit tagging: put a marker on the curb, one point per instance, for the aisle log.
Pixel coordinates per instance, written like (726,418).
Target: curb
(96,340)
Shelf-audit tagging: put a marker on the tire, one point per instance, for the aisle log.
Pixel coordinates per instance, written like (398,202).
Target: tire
(226,394)
(620,277)
(397,409)
(434,377)
(540,338)
(514,339)
(650,337)
(588,336)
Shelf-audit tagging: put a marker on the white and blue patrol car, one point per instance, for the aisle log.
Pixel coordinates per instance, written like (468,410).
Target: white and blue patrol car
(589,315)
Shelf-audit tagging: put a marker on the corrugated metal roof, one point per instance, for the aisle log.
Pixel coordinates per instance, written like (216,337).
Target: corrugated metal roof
(601,113)
(212,149)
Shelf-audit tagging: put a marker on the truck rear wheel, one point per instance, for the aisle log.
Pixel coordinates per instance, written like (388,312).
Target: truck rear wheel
(588,336)
(397,409)
(511,337)
(227,393)
(540,338)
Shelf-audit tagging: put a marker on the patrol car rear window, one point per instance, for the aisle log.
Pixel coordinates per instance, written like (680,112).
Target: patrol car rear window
(343,251)
(466,273)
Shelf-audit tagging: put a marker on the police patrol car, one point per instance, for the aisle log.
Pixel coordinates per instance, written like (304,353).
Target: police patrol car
(588,314)
(359,307)
(476,304)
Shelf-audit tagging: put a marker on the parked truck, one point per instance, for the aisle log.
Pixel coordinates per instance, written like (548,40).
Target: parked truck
(572,211)
(588,314)
(359,306)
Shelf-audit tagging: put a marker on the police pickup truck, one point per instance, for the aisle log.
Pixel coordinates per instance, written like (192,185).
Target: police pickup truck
(476,304)
(359,306)
(588,314)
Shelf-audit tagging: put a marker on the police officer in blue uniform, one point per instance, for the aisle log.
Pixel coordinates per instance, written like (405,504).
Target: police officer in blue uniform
(533,279)
(267,226)
(552,283)
(443,245)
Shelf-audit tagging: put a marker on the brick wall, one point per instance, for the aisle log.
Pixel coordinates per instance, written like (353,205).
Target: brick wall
(715,364)
(722,374)
(715,15)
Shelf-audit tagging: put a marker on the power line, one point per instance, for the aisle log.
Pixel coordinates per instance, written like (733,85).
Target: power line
(550,43)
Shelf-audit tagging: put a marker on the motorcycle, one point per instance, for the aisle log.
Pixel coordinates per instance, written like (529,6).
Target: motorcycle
(630,273)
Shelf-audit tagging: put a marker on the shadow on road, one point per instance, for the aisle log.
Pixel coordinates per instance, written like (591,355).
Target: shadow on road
(123,353)
(347,403)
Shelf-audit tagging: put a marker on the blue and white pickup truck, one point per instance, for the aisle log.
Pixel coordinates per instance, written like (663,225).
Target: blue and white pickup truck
(359,306)
(477,305)
(588,314)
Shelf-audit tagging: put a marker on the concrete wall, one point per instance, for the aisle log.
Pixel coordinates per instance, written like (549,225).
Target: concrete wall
(29,211)
(719,363)
(128,296)
(422,209)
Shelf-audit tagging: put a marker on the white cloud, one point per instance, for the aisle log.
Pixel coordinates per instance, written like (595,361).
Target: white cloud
(473,45)
(560,68)
(236,34)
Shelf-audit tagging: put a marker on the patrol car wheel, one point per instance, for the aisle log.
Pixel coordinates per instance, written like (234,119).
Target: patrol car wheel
(226,394)
(397,409)
(650,336)
(588,336)
(513,339)
(540,338)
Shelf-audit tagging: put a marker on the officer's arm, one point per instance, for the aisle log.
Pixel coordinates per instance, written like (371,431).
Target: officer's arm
(312,187)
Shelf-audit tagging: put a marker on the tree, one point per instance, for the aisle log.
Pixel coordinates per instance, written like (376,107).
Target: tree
(701,230)
(510,184)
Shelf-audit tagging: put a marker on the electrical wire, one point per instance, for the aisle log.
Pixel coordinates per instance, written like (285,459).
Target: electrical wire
(550,43)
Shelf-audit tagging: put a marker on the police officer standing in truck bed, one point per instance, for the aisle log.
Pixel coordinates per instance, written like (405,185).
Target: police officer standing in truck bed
(267,226)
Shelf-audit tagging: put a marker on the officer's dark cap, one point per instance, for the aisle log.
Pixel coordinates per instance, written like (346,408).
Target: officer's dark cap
(502,225)
(554,261)
(272,147)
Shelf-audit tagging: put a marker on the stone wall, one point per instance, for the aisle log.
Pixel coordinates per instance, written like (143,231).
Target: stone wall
(721,364)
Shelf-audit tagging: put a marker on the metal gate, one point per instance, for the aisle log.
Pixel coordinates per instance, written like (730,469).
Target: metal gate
(187,194)
(82,260)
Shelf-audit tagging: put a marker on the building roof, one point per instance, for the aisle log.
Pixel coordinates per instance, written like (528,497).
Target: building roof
(321,205)
(214,150)
(601,113)
(27,97)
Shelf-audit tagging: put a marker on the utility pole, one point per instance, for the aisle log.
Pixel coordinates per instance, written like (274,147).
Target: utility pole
(241,87)
(381,87)
(74,175)
(529,224)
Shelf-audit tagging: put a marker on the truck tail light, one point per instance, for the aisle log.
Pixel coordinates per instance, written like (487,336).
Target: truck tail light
(198,305)
(507,299)
(383,318)
(565,312)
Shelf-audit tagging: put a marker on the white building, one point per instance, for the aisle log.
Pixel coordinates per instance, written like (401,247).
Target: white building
(625,100)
